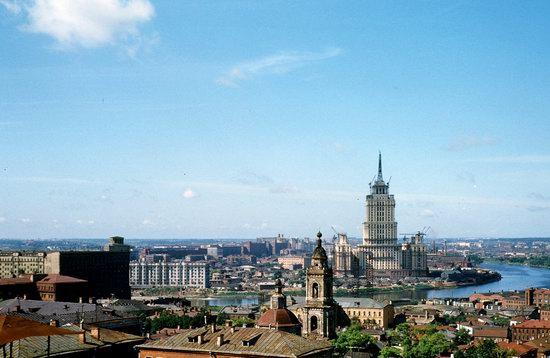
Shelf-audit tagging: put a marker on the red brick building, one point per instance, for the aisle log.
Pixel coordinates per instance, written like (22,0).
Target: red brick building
(530,329)
(45,288)
(62,288)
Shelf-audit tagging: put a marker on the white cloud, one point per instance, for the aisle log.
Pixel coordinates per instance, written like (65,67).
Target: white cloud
(469,142)
(2,219)
(147,222)
(84,23)
(280,63)
(427,213)
(189,194)
(25,220)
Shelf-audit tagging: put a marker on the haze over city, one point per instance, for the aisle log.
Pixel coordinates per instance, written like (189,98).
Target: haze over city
(245,119)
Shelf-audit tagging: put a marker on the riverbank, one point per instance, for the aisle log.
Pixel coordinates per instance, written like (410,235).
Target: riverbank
(543,263)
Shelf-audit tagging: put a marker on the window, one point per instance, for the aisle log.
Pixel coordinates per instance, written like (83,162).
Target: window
(313,324)
(315,290)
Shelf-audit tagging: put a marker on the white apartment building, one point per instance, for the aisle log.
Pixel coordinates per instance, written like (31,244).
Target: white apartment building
(174,273)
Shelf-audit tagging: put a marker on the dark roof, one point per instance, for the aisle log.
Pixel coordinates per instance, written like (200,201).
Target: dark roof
(280,317)
(263,342)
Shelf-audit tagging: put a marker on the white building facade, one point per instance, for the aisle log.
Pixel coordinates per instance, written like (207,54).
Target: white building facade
(176,273)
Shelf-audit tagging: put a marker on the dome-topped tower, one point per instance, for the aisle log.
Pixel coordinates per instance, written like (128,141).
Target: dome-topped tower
(279,317)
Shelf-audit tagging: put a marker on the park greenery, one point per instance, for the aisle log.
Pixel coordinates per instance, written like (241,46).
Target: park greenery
(352,337)
(170,320)
(407,341)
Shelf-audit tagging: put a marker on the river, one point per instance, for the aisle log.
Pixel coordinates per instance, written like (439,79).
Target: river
(514,277)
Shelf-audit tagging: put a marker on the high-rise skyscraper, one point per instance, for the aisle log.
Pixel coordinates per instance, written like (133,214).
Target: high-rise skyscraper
(380,254)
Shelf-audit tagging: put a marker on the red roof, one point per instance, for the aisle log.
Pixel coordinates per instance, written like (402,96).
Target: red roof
(278,317)
(518,348)
(54,278)
(15,280)
(13,328)
(534,323)
(491,332)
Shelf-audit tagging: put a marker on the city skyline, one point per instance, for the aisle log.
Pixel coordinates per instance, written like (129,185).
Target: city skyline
(163,120)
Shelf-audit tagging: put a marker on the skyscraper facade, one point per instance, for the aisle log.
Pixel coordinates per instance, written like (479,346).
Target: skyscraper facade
(381,255)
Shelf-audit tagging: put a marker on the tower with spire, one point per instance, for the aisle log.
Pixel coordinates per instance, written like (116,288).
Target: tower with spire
(380,253)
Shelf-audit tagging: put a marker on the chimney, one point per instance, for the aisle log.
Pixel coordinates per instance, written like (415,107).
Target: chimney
(82,337)
(200,339)
(213,328)
(94,332)
(25,296)
(228,323)
(54,323)
(232,329)
(79,299)
(220,340)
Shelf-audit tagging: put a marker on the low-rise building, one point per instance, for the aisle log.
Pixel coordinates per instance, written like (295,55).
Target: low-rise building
(497,334)
(369,312)
(294,262)
(45,287)
(232,342)
(531,329)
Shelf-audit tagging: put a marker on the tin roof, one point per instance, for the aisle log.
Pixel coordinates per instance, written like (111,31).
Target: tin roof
(241,342)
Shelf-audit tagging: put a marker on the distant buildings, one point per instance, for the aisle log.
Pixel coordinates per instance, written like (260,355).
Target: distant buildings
(106,271)
(294,262)
(13,264)
(345,262)
(177,273)
(513,300)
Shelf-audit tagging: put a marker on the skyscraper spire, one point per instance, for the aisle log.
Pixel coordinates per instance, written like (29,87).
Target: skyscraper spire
(380,166)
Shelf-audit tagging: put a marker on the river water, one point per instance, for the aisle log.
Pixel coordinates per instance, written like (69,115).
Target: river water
(513,278)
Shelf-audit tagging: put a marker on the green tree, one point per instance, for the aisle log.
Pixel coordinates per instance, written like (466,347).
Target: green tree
(351,338)
(242,321)
(401,335)
(221,317)
(486,348)
(462,337)
(501,321)
(390,352)
(429,346)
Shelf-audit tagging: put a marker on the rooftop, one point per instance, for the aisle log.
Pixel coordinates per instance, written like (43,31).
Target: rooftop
(241,341)
(533,323)
(281,317)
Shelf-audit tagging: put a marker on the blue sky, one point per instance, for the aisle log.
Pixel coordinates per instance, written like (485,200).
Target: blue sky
(155,119)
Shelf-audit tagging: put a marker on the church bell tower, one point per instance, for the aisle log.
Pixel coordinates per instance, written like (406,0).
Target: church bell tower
(320,308)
